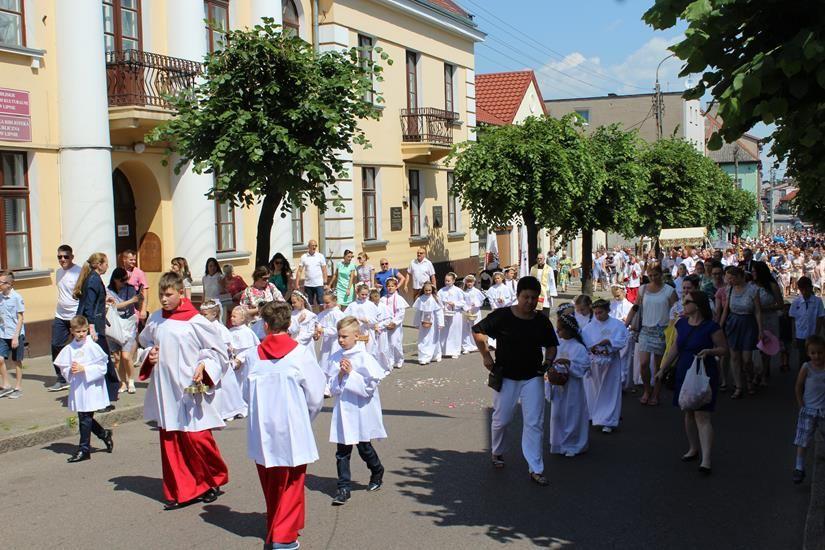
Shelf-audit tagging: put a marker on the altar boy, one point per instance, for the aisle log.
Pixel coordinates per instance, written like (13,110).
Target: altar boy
(185,360)
(284,388)
(83,364)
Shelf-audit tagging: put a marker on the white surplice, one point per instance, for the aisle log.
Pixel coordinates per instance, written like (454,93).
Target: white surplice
(357,414)
(366,313)
(583,320)
(569,415)
(473,300)
(87,389)
(328,321)
(452,300)
(182,346)
(620,310)
(395,336)
(499,295)
(382,347)
(302,328)
(228,397)
(603,386)
(284,396)
(428,310)
(242,339)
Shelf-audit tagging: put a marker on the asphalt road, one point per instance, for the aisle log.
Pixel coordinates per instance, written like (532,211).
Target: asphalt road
(629,491)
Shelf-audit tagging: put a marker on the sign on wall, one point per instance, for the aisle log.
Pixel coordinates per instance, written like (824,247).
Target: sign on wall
(15,119)
(396,219)
(438,216)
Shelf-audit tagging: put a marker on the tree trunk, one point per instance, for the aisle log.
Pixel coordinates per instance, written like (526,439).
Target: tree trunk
(587,262)
(532,237)
(265,220)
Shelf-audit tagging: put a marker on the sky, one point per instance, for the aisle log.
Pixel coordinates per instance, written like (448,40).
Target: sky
(581,48)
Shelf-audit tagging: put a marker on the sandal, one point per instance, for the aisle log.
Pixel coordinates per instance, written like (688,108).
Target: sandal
(736,394)
(498,461)
(653,402)
(644,399)
(539,479)
(723,387)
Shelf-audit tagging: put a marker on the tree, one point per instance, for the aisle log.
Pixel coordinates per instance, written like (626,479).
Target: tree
(270,119)
(767,64)
(736,207)
(614,192)
(525,172)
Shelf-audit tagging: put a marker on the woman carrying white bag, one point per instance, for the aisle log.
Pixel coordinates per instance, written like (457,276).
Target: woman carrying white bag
(699,342)
(121,329)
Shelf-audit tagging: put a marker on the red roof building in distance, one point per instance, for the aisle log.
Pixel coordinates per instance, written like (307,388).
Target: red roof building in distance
(451,6)
(499,96)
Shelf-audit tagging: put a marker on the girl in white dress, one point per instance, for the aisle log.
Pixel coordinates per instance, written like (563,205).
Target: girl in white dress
(326,327)
(452,300)
(429,316)
(620,308)
(228,396)
(367,314)
(500,295)
(242,339)
(397,305)
(382,344)
(604,337)
(302,323)
(473,300)
(569,415)
(584,310)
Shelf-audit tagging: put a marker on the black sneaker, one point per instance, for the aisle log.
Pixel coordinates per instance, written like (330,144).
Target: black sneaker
(341,497)
(376,480)
(107,439)
(798,476)
(110,408)
(58,386)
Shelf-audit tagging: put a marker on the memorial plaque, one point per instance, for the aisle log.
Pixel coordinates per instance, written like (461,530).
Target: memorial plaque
(438,216)
(150,256)
(122,230)
(396,218)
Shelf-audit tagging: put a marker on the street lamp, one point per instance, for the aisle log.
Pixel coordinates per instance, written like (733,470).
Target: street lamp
(658,103)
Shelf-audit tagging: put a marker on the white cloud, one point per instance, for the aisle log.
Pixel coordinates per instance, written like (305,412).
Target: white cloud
(636,73)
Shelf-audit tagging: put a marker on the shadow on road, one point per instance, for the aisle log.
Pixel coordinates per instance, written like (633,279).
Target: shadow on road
(328,485)
(149,487)
(243,524)
(61,448)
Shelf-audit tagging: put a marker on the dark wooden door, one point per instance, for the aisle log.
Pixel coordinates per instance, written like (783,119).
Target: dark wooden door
(125,223)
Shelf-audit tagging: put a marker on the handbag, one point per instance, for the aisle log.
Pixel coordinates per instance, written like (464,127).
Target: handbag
(496,378)
(696,391)
(115,330)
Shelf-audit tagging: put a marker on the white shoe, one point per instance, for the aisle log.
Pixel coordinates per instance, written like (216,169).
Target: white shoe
(423,363)
(607,430)
(569,454)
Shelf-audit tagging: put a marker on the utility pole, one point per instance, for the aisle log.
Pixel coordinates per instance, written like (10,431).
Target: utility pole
(770,197)
(658,102)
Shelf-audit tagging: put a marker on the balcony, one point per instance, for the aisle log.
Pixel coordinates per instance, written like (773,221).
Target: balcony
(426,134)
(138,83)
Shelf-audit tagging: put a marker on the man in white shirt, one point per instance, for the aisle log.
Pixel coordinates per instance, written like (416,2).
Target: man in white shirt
(312,269)
(421,270)
(65,279)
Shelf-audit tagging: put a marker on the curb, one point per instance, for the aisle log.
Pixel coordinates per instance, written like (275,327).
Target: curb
(60,431)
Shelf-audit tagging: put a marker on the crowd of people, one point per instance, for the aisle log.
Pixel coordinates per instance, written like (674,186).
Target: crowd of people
(272,351)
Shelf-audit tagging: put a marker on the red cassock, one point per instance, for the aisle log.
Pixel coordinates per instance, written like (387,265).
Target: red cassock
(283,488)
(192,464)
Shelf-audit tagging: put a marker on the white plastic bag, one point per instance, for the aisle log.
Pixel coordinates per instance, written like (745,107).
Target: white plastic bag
(696,391)
(114,326)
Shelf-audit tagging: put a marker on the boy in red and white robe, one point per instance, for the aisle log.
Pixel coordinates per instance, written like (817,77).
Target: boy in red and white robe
(284,388)
(184,349)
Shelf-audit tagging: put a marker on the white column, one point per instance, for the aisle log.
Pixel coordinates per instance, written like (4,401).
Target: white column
(267,8)
(193,213)
(86,201)
(470,94)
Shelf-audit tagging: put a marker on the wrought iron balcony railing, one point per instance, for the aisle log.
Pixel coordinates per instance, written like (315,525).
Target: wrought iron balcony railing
(135,77)
(427,125)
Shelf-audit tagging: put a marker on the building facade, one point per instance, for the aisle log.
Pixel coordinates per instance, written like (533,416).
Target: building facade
(82,83)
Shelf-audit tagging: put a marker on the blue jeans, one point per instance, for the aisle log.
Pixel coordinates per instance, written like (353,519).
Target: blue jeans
(315,294)
(60,337)
(368,455)
(88,426)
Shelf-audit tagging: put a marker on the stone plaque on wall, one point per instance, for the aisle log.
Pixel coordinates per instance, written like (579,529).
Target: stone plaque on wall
(438,216)
(150,255)
(396,220)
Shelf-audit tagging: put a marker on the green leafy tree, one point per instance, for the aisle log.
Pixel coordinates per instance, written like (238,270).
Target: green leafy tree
(763,61)
(613,195)
(736,207)
(270,119)
(523,172)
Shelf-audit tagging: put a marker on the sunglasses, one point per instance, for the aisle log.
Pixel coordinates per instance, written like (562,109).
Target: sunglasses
(385,263)
(63,256)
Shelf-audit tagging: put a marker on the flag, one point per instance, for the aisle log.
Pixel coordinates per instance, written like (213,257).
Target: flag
(524,263)
(492,251)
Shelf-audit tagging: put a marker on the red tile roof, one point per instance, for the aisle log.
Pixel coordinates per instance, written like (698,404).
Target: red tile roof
(450,6)
(499,95)
(789,197)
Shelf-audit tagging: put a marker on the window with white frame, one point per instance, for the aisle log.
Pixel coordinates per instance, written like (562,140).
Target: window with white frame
(225,226)
(12,23)
(297,226)
(368,198)
(217,23)
(364,55)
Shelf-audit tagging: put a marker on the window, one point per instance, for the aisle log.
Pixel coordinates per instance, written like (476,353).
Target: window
(415,204)
(121,25)
(368,197)
(449,100)
(217,17)
(585,114)
(452,205)
(365,54)
(225,225)
(12,23)
(289,16)
(15,230)
(297,225)
(412,80)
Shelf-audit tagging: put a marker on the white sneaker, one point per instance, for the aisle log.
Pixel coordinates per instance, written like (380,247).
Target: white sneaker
(607,430)
(569,454)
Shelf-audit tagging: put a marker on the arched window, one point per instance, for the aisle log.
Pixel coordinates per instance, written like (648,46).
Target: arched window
(290,17)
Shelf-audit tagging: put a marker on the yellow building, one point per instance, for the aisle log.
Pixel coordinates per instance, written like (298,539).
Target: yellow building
(81,83)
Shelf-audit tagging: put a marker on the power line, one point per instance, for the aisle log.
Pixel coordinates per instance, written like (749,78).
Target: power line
(520,35)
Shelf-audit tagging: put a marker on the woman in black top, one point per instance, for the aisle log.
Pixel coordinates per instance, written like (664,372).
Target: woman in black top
(91,295)
(520,335)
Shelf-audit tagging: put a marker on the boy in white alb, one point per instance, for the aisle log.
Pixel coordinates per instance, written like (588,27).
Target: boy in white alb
(228,398)
(354,376)
(242,338)
(326,327)
(397,305)
(284,388)
(367,314)
(185,361)
(83,364)
(452,300)
(382,321)
(473,300)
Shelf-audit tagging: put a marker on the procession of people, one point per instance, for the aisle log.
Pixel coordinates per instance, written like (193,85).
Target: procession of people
(271,352)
